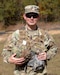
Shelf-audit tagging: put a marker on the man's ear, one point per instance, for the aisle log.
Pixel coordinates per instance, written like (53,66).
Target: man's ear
(24,16)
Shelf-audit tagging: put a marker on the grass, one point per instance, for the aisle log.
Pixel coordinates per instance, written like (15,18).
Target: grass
(53,64)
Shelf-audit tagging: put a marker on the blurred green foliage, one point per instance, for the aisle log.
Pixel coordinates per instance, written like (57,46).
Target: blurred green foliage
(11,11)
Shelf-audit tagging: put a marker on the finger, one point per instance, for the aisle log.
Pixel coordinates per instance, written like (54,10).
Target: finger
(17,62)
(20,60)
(14,55)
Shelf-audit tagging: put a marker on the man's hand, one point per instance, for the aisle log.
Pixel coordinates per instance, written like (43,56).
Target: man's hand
(15,60)
(42,56)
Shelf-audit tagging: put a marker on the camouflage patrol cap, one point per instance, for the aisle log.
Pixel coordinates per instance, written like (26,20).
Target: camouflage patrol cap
(31,8)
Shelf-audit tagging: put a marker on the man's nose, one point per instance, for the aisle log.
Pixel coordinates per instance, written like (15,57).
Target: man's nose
(31,17)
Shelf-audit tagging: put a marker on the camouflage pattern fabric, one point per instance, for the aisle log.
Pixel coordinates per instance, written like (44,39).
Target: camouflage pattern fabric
(22,42)
(18,43)
(30,71)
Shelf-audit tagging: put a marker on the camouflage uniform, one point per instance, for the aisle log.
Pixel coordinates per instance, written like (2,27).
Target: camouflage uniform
(22,42)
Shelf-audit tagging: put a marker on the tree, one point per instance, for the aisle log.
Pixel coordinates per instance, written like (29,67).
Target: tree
(48,9)
(1,10)
(12,10)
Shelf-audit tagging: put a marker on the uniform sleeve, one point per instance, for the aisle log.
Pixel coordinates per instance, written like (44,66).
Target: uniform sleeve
(9,45)
(6,53)
(51,46)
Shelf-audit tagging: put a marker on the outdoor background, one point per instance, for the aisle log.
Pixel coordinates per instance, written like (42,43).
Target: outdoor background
(11,12)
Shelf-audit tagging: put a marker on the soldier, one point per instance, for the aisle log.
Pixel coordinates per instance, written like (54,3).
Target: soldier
(31,47)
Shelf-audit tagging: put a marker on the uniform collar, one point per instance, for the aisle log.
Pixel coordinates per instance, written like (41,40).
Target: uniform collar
(31,30)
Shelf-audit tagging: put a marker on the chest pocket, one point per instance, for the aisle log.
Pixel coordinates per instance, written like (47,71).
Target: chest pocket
(22,44)
(37,41)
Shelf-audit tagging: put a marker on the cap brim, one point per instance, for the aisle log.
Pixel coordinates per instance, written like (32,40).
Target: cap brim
(32,12)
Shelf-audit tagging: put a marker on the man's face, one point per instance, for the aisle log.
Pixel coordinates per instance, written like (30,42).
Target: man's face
(31,18)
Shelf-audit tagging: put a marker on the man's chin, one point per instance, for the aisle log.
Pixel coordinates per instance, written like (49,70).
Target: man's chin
(32,24)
